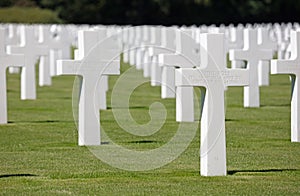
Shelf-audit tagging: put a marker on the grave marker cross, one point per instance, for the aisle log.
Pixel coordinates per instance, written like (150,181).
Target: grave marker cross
(96,62)
(215,77)
(31,50)
(187,55)
(265,41)
(252,53)
(292,66)
(13,60)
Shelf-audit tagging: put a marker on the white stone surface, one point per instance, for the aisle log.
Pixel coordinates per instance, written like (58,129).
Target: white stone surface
(13,38)
(44,64)
(252,53)
(32,50)
(125,37)
(292,67)
(6,60)
(187,55)
(264,41)
(157,48)
(164,75)
(139,48)
(146,60)
(97,62)
(236,41)
(214,75)
(131,42)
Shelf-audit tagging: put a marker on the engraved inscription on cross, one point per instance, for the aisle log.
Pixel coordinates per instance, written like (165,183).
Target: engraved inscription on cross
(32,50)
(6,60)
(215,77)
(292,67)
(252,53)
(96,62)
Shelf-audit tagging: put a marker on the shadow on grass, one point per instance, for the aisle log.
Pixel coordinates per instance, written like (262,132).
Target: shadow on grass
(275,105)
(131,107)
(231,120)
(143,142)
(40,121)
(232,172)
(17,175)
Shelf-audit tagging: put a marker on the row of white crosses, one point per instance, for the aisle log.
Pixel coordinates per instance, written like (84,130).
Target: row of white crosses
(213,156)
(22,48)
(150,61)
(98,56)
(257,50)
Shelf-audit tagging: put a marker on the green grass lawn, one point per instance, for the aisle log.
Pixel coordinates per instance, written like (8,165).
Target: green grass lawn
(39,153)
(28,15)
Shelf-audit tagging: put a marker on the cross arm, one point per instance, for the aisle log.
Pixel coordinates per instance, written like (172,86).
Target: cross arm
(13,60)
(81,67)
(43,50)
(284,67)
(56,44)
(175,60)
(15,49)
(153,51)
(236,77)
(237,55)
(189,77)
(68,67)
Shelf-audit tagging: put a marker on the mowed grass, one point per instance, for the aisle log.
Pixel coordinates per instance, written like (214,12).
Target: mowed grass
(39,153)
(28,15)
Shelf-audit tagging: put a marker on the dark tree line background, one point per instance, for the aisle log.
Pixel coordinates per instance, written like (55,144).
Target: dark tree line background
(167,12)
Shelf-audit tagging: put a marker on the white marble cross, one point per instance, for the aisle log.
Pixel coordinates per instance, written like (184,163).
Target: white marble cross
(236,41)
(13,38)
(252,53)
(187,55)
(292,67)
(131,42)
(97,61)
(144,39)
(264,41)
(87,43)
(160,74)
(147,42)
(66,38)
(155,69)
(53,45)
(215,77)
(139,47)
(32,50)
(6,60)
(125,40)
(282,40)
(168,72)
(61,44)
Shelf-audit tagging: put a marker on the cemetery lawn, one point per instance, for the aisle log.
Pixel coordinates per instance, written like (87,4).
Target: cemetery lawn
(28,15)
(39,153)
